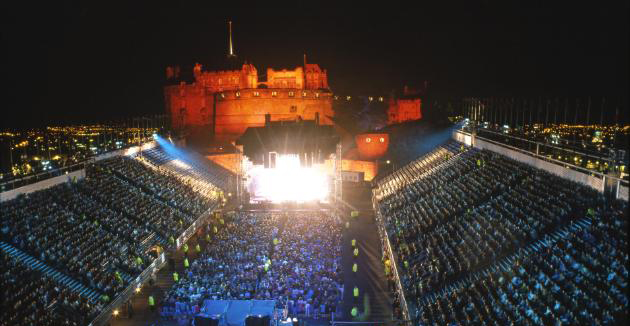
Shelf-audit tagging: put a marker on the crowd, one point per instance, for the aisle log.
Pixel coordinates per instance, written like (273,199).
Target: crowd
(463,216)
(99,231)
(578,280)
(123,196)
(168,188)
(57,236)
(293,258)
(31,298)
(306,264)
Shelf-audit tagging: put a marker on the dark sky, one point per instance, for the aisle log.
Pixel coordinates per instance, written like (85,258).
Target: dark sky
(69,61)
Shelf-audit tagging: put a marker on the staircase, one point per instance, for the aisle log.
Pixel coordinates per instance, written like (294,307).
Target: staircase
(35,264)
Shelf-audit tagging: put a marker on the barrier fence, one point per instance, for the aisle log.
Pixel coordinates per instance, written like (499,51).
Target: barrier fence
(605,183)
(382,232)
(601,182)
(106,313)
(157,264)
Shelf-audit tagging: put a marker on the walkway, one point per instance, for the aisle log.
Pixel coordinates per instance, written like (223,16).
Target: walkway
(374,302)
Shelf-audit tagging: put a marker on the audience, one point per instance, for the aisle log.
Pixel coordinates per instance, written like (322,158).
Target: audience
(457,220)
(290,257)
(31,298)
(98,231)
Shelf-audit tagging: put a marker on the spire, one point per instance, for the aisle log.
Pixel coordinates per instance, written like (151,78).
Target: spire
(231,49)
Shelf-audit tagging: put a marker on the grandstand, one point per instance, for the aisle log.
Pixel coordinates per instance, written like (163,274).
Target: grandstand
(462,235)
(91,239)
(480,238)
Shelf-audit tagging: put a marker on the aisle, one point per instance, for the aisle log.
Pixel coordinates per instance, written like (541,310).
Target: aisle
(164,281)
(374,302)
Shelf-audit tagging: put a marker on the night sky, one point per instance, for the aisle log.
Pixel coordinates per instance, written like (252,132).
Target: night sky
(72,61)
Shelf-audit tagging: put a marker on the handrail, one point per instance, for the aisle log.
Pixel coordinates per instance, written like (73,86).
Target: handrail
(384,236)
(45,175)
(544,158)
(105,314)
(157,264)
(545,144)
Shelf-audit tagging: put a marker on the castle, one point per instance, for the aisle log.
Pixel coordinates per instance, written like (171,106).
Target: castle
(227,102)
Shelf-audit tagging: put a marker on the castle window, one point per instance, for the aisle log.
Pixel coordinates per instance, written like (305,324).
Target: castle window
(368,140)
(274,93)
(336,97)
(256,94)
(370,98)
(380,99)
(348,98)
(317,95)
(222,95)
(291,94)
(293,109)
(238,94)
(382,139)
(304,94)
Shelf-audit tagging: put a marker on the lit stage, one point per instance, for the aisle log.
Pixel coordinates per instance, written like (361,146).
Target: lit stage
(289,181)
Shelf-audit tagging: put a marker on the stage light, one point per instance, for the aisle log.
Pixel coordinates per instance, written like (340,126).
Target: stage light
(155,136)
(116,312)
(289,181)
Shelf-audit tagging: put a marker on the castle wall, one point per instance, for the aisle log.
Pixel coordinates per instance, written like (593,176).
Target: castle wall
(285,78)
(402,110)
(241,104)
(236,111)
(193,99)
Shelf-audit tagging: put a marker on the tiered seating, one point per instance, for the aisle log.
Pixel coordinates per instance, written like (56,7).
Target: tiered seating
(579,278)
(129,229)
(166,187)
(469,213)
(190,164)
(122,196)
(157,156)
(415,170)
(77,247)
(92,237)
(31,298)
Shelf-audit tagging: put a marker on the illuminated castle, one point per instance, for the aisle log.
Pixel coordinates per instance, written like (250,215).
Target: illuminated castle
(230,101)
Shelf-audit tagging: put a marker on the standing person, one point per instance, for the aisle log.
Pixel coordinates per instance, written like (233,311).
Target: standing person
(152,304)
(129,309)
